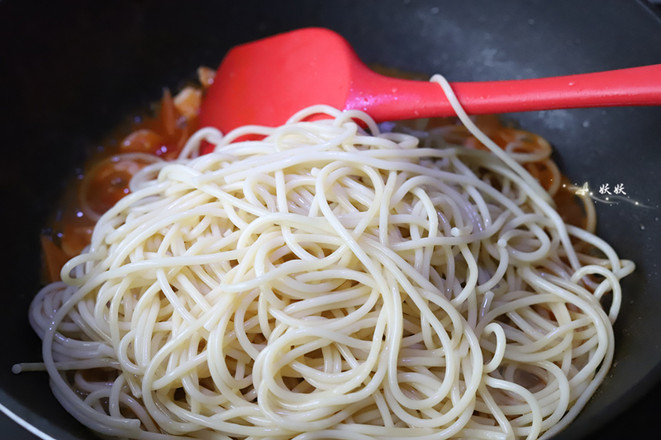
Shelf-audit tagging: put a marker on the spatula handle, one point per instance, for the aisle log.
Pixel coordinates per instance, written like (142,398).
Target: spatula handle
(392,99)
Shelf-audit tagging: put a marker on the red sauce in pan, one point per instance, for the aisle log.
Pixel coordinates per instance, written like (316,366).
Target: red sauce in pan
(105,178)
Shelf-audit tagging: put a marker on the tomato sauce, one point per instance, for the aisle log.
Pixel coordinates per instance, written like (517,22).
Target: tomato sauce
(106,177)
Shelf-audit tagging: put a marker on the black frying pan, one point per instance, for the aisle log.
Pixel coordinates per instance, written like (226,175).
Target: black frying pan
(71,72)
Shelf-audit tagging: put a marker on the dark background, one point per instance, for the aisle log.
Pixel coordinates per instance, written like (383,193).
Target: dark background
(62,87)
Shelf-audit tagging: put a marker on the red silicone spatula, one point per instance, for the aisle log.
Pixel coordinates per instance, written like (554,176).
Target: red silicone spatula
(266,81)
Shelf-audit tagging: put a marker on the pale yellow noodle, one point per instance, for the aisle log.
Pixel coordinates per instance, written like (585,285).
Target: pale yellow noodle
(332,282)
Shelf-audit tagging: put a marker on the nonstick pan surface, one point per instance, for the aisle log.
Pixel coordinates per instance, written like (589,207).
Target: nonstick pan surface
(71,72)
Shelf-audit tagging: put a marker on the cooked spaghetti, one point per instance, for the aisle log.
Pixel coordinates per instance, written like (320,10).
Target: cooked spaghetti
(331,281)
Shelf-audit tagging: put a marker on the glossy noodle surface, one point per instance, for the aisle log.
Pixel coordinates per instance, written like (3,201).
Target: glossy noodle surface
(335,280)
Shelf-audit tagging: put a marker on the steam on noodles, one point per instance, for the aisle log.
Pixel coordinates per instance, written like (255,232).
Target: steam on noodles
(332,282)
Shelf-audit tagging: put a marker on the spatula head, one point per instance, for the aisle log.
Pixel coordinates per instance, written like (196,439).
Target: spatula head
(267,81)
